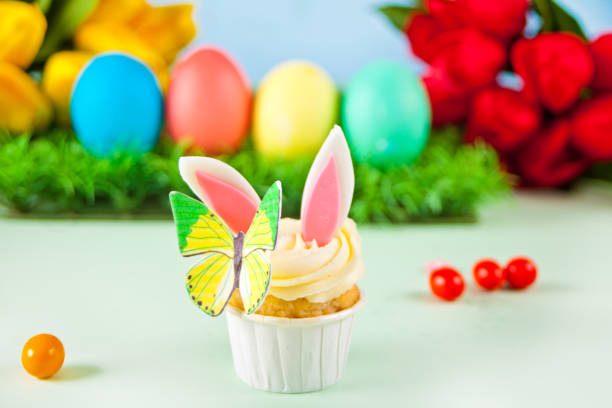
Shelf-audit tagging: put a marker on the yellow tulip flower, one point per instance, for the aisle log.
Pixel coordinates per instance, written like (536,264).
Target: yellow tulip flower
(22,30)
(102,37)
(166,29)
(59,74)
(116,11)
(23,106)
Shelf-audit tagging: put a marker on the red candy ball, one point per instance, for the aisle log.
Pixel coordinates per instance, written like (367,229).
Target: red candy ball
(488,274)
(446,283)
(521,272)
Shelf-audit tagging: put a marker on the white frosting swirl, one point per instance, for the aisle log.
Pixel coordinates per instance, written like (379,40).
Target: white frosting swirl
(319,274)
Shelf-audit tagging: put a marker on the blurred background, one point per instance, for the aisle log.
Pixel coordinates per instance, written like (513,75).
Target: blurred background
(341,35)
(446,105)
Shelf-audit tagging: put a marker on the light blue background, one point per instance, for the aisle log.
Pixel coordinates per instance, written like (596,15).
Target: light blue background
(339,35)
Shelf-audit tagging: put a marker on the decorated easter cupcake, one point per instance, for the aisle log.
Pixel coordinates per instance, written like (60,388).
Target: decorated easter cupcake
(317,261)
(296,336)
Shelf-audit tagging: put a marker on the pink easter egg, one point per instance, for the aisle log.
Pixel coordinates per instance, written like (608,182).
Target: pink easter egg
(209,101)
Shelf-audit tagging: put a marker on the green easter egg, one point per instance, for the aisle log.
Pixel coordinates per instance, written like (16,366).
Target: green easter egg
(386,115)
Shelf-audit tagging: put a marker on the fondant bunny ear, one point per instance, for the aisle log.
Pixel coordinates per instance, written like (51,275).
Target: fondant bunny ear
(328,191)
(222,188)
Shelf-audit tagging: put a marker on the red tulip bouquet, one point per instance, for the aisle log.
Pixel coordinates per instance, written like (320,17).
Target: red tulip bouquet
(541,97)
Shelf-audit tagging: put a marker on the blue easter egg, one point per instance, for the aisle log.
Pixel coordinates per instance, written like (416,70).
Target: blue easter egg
(116,106)
(386,115)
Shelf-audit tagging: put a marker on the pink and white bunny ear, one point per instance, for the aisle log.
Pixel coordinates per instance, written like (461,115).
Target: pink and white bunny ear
(222,188)
(328,191)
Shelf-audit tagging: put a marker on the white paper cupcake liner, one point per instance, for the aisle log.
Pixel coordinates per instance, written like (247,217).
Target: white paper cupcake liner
(291,355)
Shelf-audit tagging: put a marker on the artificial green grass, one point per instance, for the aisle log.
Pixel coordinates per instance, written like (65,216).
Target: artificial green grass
(52,174)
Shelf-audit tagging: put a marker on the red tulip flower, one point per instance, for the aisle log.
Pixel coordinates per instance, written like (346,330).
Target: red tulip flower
(465,43)
(465,61)
(449,102)
(471,58)
(555,68)
(592,128)
(548,159)
(421,29)
(448,13)
(500,19)
(502,118)
(601,49)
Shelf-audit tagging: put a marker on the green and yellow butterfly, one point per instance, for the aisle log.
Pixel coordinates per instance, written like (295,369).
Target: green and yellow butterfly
(228,261)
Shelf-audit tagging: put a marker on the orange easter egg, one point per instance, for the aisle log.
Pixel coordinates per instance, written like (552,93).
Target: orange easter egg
(209,101)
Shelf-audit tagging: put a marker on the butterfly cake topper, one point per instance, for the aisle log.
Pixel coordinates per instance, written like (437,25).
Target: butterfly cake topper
(328,191)
(231,229)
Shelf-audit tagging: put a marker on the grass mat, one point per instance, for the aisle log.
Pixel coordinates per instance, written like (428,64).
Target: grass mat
(51,173)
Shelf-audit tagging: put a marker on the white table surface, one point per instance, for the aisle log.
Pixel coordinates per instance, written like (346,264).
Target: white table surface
(113,292)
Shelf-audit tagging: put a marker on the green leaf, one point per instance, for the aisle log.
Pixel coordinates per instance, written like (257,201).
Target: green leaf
(601,171)
(397,15)
(64,17)
(556,18)
(44,5)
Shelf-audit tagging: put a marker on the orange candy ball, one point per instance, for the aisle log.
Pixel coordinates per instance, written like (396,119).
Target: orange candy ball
(42,355)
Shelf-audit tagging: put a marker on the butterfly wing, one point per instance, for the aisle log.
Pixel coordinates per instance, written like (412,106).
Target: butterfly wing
(259,241)
(211,282)
(199,230)
(254,279)
(264,229)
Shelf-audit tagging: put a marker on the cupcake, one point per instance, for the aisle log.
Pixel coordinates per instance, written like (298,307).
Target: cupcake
(297,338)
(303,328)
